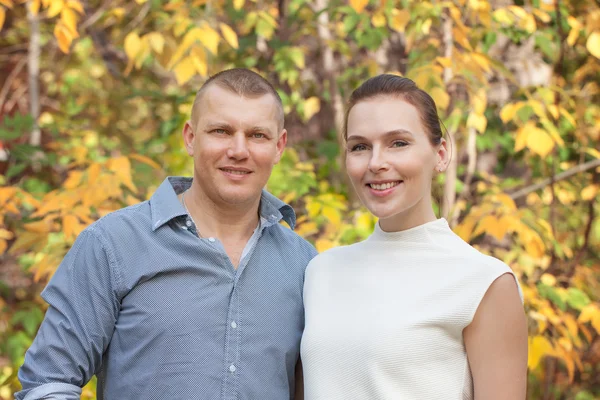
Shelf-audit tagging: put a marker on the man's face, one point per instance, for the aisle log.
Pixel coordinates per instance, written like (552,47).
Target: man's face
(235,143)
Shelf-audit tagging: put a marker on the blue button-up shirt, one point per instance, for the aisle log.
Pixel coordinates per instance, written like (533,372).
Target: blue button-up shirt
(158,312)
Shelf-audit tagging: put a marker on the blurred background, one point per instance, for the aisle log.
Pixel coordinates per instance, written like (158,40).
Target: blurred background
(93,96)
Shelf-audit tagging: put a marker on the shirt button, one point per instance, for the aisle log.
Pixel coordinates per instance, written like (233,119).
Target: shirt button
(211,239)
(232,368)
(233,324)
(188,222)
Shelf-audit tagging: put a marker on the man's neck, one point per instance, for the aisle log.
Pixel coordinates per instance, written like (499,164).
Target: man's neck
(224,221)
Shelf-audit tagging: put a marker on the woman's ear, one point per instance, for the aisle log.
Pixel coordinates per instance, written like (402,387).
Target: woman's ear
(443,156)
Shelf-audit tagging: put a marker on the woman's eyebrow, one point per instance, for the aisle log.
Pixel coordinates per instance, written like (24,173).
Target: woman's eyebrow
(394,132)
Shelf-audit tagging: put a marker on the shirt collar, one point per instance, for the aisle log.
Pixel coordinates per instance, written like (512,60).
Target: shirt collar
(164,204)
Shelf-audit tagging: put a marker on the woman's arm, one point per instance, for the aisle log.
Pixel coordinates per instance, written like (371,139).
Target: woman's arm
(496,343)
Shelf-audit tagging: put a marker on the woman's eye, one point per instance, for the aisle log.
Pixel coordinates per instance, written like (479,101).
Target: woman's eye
(399,143)
(358,147)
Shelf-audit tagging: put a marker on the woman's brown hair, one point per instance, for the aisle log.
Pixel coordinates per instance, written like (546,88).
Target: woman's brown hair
(405,89)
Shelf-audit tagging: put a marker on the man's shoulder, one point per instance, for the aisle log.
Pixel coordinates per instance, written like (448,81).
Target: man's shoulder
(123,221)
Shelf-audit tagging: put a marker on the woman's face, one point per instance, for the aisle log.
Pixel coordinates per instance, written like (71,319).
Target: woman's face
(391,161)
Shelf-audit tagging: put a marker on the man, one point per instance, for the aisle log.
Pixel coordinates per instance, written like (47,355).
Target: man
(196,293)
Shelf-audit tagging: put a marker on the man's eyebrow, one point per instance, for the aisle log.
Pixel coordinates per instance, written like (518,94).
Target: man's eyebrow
(394,132)
(218,125)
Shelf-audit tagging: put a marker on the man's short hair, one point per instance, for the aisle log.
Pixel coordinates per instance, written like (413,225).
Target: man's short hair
(242,82)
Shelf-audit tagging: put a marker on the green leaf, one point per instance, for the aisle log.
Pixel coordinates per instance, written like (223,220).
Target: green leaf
(15,170)
(551,294)
(577,299)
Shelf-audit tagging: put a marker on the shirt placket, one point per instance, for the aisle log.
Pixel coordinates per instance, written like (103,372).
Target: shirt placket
(232,348)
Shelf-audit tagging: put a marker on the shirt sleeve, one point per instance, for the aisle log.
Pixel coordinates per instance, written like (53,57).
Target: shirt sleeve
(79,323)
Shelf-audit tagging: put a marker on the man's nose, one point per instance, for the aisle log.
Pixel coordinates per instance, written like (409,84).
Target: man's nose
(238,148)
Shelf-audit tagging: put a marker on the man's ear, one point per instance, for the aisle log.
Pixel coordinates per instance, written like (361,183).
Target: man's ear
(188,137)
(281,142)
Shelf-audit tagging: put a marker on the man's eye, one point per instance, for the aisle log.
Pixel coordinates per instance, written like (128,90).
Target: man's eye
(258,135)
(219,131)
(358,147)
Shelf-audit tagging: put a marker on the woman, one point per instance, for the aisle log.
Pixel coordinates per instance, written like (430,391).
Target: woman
(412,312)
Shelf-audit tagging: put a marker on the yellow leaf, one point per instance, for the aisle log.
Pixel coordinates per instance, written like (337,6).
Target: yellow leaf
(238,4)
(508,111)
(533,244)
(56,6)
(589,192)
(28,241)
(465,228)
(307,229)
(400,19)
(482,61)
(461,38)
(5,235)
(145,160)
(71,226)
(332,215)
(75,5)
(3,246)
(323,244)
(64,37)
(503,16)
(7,3)
(185,70)
(132,45)
(574,32)
(38,227)
(528,23)
(199,59)
(122,169)
(596,323)
(2,17)
(426,26)
(73,180)
(479,101)
(587,313)
(548,279)
(93,173)
(359,5)
(539,141)
(441,97)
(477,121)
(141,1)
(209,38)
(312,105)
(378,19)
(539,346)
(543,16)
(157,41)
(69,18)
(313,208)
(34,6)
(229,35)
(444,61)
(593,44)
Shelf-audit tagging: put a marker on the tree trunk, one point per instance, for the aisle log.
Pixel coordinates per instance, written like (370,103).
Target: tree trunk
(33,68)
(450,183)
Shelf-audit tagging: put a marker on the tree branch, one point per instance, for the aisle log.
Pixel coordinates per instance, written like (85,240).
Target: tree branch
(451,170)
(33,68)
(563,175)
(9,80)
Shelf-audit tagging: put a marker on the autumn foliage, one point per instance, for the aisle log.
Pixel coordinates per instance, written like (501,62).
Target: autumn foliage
(93,95)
